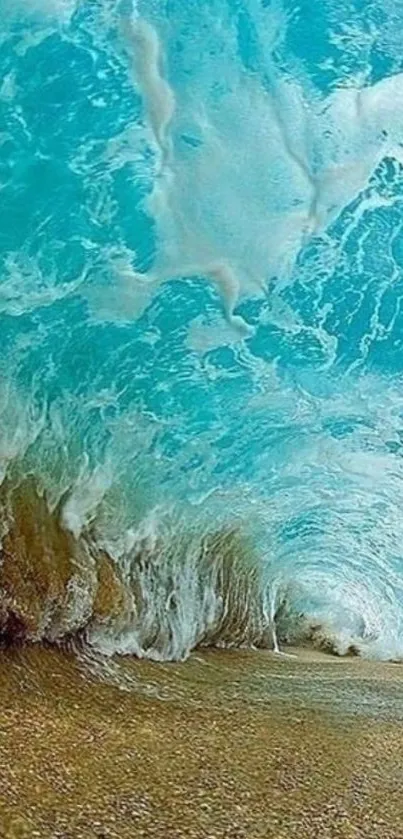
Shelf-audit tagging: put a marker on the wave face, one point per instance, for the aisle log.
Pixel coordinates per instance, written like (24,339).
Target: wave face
(201,324)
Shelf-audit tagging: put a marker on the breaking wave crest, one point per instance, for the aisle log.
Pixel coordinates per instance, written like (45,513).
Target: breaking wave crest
(166,589)
(169,591)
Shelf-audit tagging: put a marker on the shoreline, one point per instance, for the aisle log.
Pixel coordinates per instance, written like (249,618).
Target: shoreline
(229,745)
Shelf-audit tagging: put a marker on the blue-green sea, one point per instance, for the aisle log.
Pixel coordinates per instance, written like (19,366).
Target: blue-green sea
(201,313)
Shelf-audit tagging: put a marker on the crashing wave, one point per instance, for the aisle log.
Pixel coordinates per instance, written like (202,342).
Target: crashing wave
(201,326)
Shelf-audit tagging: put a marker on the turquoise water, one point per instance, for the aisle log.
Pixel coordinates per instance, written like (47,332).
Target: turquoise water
(201,320)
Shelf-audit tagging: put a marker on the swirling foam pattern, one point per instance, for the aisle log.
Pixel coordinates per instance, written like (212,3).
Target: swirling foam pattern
(201,322)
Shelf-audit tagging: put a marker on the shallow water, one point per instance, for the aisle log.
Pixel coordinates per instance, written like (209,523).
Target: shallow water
(218,746)
(200,324)
(301,681)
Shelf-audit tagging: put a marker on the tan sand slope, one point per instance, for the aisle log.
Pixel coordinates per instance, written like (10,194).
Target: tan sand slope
(222,755)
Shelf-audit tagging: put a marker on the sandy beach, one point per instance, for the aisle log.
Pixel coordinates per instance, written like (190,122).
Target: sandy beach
(225,746)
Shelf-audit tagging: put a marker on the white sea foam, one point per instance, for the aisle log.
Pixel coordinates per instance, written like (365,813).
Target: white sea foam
(273,164)
(20,424)
(58,10)
(145,50)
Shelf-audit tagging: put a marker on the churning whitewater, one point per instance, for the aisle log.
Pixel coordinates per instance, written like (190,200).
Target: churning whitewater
(201,324)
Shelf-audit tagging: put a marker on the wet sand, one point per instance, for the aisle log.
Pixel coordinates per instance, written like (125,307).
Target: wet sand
(228,745)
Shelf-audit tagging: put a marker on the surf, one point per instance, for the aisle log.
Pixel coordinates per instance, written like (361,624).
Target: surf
(200,328)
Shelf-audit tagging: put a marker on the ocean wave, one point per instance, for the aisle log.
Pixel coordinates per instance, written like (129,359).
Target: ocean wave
(170,591)
(201,328)
(172,588)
